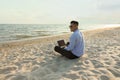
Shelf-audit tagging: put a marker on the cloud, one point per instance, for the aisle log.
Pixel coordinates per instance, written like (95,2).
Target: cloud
(109,5)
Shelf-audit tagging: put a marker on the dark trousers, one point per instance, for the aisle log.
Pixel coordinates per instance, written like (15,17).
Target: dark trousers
(65,53)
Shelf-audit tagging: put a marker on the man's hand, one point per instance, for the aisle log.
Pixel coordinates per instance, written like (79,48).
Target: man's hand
(67,43)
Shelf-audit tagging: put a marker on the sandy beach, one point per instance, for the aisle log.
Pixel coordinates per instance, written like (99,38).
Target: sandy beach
(35,59)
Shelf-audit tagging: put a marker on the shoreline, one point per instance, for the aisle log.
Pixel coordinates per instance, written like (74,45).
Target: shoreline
(44,38)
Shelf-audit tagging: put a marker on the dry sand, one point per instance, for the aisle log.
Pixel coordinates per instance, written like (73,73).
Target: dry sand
(35,59)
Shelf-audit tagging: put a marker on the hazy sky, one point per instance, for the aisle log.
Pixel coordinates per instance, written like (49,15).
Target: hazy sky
(59,11)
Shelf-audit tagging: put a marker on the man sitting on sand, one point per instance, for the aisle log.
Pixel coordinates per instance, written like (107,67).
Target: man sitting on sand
(75,48)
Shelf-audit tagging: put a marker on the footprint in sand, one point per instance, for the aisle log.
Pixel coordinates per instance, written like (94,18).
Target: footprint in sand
(118,55)
(104,77)
(7,70)
(115,72)
(72,76)
(18,77)
(82,73)
(97,64)
(8,76)
(35,67)
(108,63)
(117,65)
(87,73)
(84,78)
(88,78)
(77,68)
(104,71)
(116,58)
(95,71)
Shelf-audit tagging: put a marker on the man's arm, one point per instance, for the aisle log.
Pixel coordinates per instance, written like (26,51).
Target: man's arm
(72,43)
(67,43)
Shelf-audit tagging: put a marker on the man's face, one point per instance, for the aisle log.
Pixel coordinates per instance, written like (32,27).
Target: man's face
(73,27)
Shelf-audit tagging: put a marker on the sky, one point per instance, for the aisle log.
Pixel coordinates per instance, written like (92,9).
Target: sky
(59,11)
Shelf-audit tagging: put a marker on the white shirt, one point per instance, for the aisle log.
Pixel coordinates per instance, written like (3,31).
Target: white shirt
(76,45)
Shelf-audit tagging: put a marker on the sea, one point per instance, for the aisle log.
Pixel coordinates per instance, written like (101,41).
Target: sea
(11,32)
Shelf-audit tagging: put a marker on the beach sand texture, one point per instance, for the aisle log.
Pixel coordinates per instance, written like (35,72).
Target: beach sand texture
(36,59)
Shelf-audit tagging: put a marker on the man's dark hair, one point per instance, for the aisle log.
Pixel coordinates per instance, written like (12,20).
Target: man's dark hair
(74,22)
